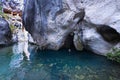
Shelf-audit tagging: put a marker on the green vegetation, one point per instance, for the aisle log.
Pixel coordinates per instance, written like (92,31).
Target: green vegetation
(12,27)
(114,55)
(1,10)
(3,14)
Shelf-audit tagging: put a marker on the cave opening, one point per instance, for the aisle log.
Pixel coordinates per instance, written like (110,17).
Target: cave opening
(109,34)
(68,43)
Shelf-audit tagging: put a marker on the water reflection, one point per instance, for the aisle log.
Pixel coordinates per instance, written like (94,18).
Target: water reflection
(27,53)
(19,50)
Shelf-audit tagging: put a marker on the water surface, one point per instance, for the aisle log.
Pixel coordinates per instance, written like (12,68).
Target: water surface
(15,64)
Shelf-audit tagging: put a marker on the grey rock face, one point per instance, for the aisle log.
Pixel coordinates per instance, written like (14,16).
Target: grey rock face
(95,24)
(49,21)
(94,41)
(13,4)
(5,32)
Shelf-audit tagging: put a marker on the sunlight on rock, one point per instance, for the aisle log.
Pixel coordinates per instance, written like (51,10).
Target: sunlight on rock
(79,77)
(39,65)
(51,65)
(78,67)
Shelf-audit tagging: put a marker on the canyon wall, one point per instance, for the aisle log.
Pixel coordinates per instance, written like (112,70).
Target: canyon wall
(93,24)
(5,33)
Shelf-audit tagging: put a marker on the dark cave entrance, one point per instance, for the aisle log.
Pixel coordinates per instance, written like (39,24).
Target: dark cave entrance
(109,34)
(68,43)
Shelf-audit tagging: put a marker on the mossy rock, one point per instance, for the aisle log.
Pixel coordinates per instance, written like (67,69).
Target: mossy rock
(114,55)
(1,13)
(12,27)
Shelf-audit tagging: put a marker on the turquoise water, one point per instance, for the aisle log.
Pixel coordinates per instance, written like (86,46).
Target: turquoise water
(55,65)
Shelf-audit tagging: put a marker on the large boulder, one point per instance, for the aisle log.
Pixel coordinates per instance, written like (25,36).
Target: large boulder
(95,24)
(5,33)
(98,38)
(100,30)
(50,21)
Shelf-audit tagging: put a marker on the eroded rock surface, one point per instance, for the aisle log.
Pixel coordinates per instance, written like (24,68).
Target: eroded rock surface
(5,33)
(12,6)
(95,24)
(50,22)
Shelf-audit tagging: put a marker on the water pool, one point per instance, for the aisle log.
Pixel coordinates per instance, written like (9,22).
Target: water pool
(55,65)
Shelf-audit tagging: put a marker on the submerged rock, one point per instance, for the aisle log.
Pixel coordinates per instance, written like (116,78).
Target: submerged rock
(5,32)
(95,23)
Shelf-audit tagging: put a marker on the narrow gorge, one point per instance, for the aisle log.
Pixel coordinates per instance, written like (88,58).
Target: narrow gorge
(59,39)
